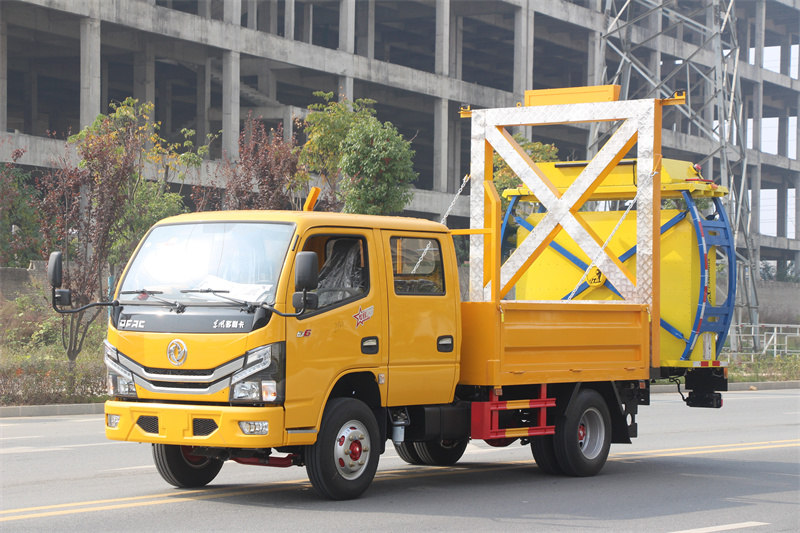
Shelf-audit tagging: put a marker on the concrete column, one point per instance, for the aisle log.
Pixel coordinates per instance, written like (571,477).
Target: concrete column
(232,12)
(230,105)
(288,123)
(203,101)
(365,29)
(782,224)
(797,139)
(104,86)
(267,82)
(456,45)
(345,88)
(454,157)
(90,71)
(3,72)
(165,109)
(656,24)
(204,8)
(252,14)
(786,53)
(307,25)
(755,211)
(783,132)
(440,132)
(760,32)
(442,52)
(31,101)
(144,73)
(523,49)
(288,20)
(347,26)
(797,220)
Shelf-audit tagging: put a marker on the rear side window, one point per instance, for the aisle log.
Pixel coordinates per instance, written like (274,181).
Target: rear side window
(417,266)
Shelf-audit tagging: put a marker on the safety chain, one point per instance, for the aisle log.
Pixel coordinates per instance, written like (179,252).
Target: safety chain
(444,219)
(645,184)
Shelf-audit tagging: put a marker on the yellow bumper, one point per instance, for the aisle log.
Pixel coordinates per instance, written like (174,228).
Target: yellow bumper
(194,425)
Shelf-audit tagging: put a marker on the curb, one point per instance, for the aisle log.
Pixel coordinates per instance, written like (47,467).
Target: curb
(97,408)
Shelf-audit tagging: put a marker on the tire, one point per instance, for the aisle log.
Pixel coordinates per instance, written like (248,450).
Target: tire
(180,468)
(441,453)
(544,453)
(583,438)
(343,461)
(408,453)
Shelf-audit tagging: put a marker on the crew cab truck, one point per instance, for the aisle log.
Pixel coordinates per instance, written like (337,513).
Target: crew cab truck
(306,338)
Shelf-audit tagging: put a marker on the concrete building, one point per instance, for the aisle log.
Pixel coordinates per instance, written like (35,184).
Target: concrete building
(206,64)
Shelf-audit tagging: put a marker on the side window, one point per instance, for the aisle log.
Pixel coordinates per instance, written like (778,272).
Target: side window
(417,266)
(344,274)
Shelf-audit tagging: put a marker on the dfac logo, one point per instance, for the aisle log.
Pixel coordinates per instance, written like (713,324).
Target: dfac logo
(176,352)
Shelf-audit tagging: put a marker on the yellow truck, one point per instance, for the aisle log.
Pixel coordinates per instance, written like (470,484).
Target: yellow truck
(307,338)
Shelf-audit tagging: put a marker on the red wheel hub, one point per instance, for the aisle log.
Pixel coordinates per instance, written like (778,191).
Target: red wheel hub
(355,450)
(581,432)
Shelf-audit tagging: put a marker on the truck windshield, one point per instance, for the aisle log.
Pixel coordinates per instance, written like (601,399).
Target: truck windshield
(208,263)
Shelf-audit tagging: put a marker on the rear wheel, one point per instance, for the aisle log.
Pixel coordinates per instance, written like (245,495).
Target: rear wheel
(583,438)
(544,453)
(180,468)
(343,461)
(441,453)
(408,453)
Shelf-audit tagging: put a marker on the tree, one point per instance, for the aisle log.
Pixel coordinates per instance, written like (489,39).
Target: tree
(96,211)
(341,149)
(19,232)
(378,167)
(505,178)
(266,175)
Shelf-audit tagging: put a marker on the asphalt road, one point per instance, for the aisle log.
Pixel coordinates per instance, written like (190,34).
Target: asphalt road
(696,470)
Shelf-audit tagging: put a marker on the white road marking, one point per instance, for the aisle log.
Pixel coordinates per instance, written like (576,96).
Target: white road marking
(148,467)
(29,449)
(726,527)
(25,437)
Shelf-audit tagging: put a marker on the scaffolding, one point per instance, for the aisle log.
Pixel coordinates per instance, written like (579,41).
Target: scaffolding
(709,74)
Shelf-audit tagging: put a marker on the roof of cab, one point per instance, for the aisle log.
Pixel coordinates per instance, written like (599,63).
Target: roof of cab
(311,219)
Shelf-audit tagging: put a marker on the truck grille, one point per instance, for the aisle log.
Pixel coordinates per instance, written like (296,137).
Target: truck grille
(178,372)
(149,424)
(203,426)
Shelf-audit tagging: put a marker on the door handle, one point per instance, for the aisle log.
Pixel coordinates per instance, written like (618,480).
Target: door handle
(369,345)
(445,343)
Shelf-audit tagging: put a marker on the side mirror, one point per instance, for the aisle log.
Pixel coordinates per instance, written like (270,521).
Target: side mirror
(54,269)
(306,271)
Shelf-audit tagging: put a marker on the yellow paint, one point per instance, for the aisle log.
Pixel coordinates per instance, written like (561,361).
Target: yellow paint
(573,95)
(553,276)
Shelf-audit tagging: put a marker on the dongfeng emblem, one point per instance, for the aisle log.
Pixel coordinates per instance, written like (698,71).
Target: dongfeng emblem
(176,352)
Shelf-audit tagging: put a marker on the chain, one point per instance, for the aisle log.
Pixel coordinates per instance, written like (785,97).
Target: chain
(645,184)
(444,219)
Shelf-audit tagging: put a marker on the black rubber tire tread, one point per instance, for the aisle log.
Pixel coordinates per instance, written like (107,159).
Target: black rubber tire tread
(570,457)
(176,470)
(408,453)
(544,453)
(438,453)
(319,458)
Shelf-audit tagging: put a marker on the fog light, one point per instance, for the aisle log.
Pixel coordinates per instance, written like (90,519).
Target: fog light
(255,428)
(269,391)
(113,420)
(247,390)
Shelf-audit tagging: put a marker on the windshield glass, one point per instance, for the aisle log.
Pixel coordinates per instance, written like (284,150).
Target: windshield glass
(188,263)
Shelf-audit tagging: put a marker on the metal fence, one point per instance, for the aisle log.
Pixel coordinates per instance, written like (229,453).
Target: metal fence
(750,340)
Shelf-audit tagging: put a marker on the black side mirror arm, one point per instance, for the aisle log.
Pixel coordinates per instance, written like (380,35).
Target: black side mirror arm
(64,294)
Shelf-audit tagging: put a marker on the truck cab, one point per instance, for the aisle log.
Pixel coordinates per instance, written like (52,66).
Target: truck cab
(209,359)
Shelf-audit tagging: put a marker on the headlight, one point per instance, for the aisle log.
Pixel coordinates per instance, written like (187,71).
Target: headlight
(262,378)
(120,379)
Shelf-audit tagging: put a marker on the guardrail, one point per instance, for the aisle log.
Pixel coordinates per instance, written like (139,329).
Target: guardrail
(750,340)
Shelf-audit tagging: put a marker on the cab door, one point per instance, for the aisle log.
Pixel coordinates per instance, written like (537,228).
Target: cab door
(422,311)
(346,332)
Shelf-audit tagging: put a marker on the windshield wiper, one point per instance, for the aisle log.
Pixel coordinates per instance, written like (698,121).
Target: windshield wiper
(179,307)
(216,292)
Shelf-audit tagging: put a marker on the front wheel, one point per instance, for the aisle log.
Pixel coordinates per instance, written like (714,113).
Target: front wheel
(583,438)
(441,453)
(343,461)
(180,468)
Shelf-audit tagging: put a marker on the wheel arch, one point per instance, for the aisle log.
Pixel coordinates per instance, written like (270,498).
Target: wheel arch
(566,394)
(362,386)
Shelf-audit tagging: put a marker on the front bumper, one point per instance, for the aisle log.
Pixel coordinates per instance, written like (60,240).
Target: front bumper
(194,425)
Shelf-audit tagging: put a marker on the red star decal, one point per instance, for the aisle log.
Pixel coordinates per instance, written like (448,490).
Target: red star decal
(363,315)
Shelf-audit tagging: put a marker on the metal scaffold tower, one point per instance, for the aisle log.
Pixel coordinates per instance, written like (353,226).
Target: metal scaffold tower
(654,49)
